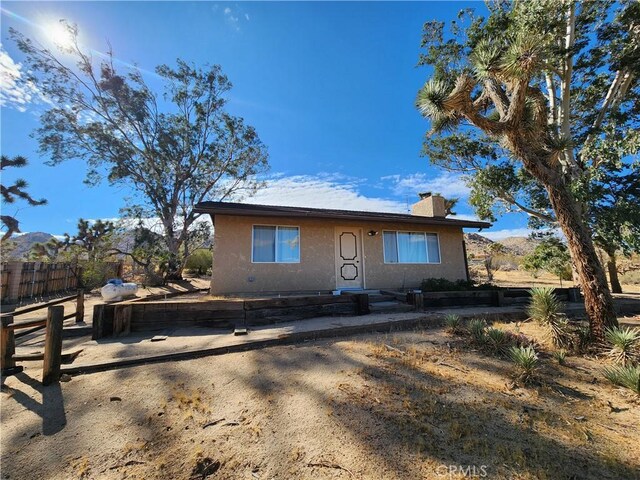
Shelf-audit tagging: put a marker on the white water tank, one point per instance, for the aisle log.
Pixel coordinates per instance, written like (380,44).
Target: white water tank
(116,289)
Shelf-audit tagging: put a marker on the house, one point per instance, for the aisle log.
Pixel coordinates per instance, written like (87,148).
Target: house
(265,249)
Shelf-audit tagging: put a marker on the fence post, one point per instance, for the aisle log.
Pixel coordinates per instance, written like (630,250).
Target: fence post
(417,300)
(7,344)
(80,306)
(53,345)
(362,304)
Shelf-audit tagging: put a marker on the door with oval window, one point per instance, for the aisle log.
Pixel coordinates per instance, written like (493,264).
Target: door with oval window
(349,263)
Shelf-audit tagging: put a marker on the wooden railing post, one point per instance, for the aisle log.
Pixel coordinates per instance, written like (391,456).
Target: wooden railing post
(362,304)
(80,306)
(53,345)
(8,344)
(499,298)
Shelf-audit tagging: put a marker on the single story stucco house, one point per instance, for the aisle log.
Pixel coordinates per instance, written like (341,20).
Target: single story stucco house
(266,249)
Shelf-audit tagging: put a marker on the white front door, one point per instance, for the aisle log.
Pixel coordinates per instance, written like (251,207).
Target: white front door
(349,265)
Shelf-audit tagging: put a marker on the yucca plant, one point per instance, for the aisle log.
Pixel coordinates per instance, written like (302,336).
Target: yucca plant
(624,344)
(546,309)
(453,323)
(584,337)
(627,376)
(497,340)
(560,356)
(525,360)
(477,327)
(544,305)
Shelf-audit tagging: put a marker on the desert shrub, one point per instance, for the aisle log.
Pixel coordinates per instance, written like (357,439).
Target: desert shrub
(506,262)
(525,360)
(444,285)
(95,274)
(544,306)
(560,356)
(583,338)
(632,277)
(546,309)
(497,340)
(520,340)
(624,344)
(627,376)
(199,262)
(477,327)
(453,323)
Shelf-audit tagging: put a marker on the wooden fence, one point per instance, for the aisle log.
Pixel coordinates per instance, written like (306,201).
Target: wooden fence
(123,318)
(52,356)
(27,280)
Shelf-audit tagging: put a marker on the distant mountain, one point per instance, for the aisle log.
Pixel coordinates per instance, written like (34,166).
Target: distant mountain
(519,246)
(23,244)
(476,244)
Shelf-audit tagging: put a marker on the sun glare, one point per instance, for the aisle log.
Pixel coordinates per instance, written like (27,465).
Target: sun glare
(59,35)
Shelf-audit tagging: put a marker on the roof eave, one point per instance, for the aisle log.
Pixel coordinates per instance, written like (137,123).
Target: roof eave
(249,212)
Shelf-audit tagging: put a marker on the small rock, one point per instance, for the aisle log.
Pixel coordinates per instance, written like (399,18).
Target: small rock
(158,338)
(65,377)
(115,399)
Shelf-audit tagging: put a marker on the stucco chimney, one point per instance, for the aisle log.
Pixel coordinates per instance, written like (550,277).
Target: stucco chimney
(429,206)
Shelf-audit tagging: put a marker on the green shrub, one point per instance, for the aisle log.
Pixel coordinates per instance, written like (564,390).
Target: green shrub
(584,338)
(444,285)
(497,340)
(624,344)
(95,274)
(625,376)
(546,309)
(525,360)
(477,327)
(199,262)
(453,323)
(560,356)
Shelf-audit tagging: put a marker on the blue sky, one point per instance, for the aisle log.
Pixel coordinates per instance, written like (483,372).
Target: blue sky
(329,87)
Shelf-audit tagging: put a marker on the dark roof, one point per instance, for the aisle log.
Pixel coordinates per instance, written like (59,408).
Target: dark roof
(244,209)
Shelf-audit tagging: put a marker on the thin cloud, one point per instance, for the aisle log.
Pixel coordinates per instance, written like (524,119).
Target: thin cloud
(232,18)
(15,91)
(321,191)
(447,184)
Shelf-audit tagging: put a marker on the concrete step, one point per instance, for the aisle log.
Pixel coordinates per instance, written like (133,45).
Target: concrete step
(381,298)
(390,307)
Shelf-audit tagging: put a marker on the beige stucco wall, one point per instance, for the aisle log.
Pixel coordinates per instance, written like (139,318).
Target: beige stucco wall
(232,267)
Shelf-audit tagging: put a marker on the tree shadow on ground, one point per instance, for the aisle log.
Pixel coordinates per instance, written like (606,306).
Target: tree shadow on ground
(407,417)
(51,409)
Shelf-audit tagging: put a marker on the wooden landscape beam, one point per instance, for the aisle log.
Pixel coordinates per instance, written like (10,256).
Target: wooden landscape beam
(40,322)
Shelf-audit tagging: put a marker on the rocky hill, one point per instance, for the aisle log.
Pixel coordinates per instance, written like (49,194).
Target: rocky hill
(22,245)
(476,244)
(519,246)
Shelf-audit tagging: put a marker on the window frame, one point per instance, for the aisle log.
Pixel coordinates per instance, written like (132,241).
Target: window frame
(426,246)
(276,239)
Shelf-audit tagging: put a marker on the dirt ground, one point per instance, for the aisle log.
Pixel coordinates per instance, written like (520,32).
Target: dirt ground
(407,405)
(523,279)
